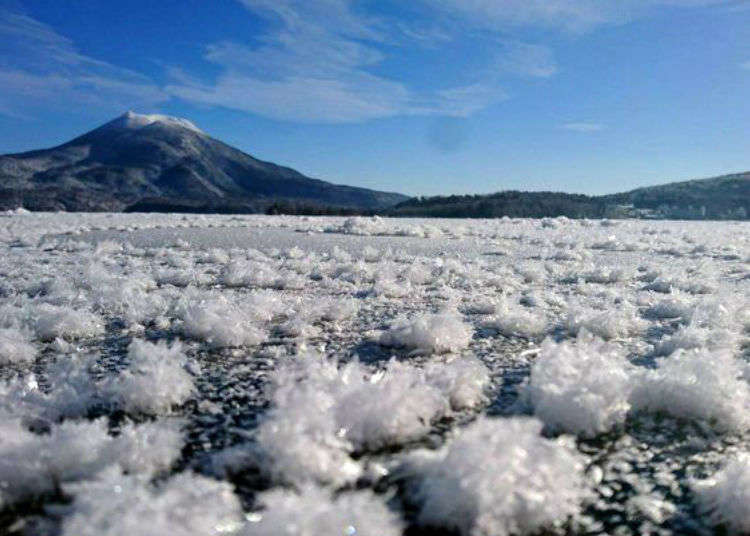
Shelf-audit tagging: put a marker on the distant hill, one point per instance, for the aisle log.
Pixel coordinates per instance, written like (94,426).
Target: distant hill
(722,197)
(163,163)
(725,197)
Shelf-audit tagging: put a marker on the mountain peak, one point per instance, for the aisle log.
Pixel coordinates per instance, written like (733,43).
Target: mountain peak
(169,163)
(132,120)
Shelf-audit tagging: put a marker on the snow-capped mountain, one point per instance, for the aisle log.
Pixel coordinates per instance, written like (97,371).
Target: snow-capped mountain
(133,120)
(164,160)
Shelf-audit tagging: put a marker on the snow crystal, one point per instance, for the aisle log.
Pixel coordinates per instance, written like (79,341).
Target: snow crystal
(107,247)
(15,347)
(52,322)
(71,392)
(391,407)
(463,381)
(358,226)
(255,274)
(481,306)
(418,274)
(619,321)
(693,336)
(725,497)
(604,275)
(440,333)
(215,256)
(339,309)
(126,296)
(181,277)
(580,387)
(184,505)
(298,328)
(391,288)
(313,511)
(148,448)
(322,412)
(299,442)
(670,308)
(33,464)
(515,320)
(696,384)
(154,382)
(220,323)
(21,469)
(70,309)
(370,254)
(500,477)
(294,253)
(531,273)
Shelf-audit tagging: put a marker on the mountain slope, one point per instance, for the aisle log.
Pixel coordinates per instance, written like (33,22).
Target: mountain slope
(166,160)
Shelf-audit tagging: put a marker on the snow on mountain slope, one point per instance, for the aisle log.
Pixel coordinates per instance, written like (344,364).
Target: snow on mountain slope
(133,120)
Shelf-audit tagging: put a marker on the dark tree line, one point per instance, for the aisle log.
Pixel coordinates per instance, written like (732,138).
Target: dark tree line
(303,208)
(513,204)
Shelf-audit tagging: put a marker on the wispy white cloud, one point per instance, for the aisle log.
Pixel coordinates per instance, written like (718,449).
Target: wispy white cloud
(303,98)
(570,15)
(583,127)
(39,67)
(320,60)
(527,60)
(316,64)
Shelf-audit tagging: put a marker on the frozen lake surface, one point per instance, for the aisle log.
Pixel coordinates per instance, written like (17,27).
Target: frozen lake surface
(251,374)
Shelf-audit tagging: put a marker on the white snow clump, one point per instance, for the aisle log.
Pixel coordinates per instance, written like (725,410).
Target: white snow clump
(313,511)
(123,505)
(221,323)
(439,334)
(500,477)
(15,347)
(154,382)
(725,497)
(697,385)
(581,387)
(53,322)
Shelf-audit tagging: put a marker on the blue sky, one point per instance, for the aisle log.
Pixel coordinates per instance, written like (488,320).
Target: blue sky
(422,97)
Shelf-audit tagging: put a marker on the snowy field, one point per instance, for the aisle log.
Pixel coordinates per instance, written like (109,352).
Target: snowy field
(253,375)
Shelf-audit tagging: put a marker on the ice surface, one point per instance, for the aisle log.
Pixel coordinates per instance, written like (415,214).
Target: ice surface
(317,354)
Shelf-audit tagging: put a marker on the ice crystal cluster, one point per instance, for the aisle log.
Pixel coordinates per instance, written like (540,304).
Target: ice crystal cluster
(253,375)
